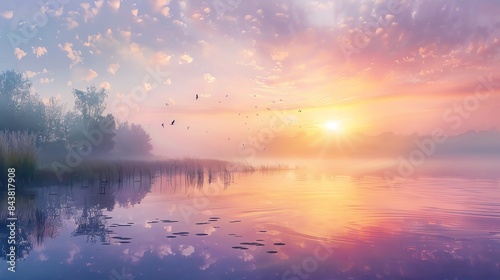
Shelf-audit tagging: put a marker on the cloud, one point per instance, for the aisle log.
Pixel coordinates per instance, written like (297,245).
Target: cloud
(209,78)
(197,16)
(75,56)
(147,86)
(39,51)
(114,4)
(105,85)
(165,11)
(45,80)
(161,6)
(160,57)
(126,34)
(90,13)
(90,75)
(92,39)
(19,53)
(178,22)
(279,55)
(31,74)
(70,23)
(186,58)
(112,68)
(7,14)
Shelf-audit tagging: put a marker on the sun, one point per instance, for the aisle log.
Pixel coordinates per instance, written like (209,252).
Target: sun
(333,126)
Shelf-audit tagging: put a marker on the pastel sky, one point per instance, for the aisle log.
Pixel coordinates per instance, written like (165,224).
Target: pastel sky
(264,67)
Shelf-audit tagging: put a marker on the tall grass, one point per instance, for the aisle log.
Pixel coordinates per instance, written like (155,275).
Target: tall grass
(18,150)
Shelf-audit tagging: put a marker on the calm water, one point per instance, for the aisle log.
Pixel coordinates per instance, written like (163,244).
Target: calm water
(287,225)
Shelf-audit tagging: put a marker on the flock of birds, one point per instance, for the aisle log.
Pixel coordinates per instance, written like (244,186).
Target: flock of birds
(173,121)
(197,97)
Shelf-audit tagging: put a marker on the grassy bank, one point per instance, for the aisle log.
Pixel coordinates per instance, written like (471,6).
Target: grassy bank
(18,150)
(106,171)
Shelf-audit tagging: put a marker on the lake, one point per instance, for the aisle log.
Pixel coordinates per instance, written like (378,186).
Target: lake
(292,224)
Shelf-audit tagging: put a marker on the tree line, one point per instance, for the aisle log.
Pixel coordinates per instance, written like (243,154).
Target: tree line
(57,129)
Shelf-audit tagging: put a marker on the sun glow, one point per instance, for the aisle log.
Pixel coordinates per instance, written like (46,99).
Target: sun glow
(333,126)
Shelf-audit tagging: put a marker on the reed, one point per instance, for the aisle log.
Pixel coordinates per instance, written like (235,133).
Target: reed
(18,150)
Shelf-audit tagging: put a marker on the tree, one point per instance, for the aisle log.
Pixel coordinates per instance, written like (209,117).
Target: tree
(54,130)
(20,108)
(91,104)
(132,140)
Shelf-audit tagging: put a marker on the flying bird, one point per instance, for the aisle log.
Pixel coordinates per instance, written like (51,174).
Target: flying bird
(166,104)
(197,97)
(163,125)
(172,123)
(188,127)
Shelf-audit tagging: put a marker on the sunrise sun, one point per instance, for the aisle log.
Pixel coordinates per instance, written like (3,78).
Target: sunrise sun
(333,126)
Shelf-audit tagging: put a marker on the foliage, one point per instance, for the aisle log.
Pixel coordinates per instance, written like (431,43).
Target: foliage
(53,129)
(132,140)
(90,103)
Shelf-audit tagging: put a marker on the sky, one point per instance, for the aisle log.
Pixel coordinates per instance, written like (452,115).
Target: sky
(264,71)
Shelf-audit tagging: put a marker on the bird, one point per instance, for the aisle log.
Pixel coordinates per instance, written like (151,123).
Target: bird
(172,123)
(197,96)
(163,125)
(300,111)
(188,127)
(226,95)
(166,104)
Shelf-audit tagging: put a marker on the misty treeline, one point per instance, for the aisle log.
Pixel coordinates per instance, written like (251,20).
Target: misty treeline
(57,129)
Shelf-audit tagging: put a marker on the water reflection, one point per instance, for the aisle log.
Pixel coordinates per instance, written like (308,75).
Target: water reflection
(289,225)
